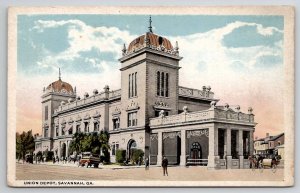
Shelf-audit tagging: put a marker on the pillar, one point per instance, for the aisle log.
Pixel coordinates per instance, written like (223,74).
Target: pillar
(59,150)
(183,148)
(241,156)
(228,148)
(251,145)
(67,148)
(213,158)
(159,152)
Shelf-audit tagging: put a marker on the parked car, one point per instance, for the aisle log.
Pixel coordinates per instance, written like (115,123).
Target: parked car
(88,159)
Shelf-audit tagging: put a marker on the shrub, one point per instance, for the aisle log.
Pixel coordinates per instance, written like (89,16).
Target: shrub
(120,155)
(137,154)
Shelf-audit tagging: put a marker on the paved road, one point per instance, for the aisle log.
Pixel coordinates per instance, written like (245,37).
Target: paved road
(56,172)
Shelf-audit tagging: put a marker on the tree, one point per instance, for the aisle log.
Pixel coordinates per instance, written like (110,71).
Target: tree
(24,144)
(120,155)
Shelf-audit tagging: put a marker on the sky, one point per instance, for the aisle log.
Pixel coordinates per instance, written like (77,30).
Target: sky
(240,57)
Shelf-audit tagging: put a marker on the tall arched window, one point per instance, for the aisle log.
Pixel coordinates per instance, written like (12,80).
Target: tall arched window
(162,92)
(129,86)
(132,84)
(158,83)
(167,84)
(135,85)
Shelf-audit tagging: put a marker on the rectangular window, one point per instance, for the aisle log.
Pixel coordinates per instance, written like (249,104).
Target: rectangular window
(71,130)
(46,132)
(46,113)
(96,126)
(86,127)
(116,123)
(77,128)
(117,146)
(113,151)
(156,113)
(56,131)
(132,84)
(132,119)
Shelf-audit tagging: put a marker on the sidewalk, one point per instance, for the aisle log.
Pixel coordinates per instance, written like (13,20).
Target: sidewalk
(72,164)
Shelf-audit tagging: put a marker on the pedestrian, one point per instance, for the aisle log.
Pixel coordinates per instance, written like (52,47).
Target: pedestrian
(53,159)
(164,164)
(146,164)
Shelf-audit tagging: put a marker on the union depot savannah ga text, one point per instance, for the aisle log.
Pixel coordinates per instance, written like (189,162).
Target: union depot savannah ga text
(150,112)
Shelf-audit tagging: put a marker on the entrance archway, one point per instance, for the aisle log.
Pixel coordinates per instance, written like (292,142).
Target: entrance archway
(63,150)
(130,148)
(196,152)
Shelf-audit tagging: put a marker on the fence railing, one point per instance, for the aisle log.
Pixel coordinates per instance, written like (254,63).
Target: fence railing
(199,162)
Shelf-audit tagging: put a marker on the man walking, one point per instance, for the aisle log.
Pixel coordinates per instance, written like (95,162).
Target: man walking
(146,164)
(164,164)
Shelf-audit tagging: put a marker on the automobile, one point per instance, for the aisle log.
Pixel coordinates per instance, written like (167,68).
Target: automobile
(88,159)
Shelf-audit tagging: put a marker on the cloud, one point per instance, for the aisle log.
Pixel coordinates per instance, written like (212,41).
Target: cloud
(239,75)
(83,40)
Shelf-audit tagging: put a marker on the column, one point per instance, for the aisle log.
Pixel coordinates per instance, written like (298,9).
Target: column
(213,158)
(251,146)
(59,150)
(228,148)
(183,148)
(241,156)
(67,148)
(159,152)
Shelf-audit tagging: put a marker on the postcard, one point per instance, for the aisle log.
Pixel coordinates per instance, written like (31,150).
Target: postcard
(150,96)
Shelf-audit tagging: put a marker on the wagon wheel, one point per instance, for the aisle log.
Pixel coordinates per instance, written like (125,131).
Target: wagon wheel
(274,167)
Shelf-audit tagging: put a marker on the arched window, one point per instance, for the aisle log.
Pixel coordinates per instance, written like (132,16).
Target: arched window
(162,92)
(132,84)
(167,84)
(158,83)
(135,85)
(129,86)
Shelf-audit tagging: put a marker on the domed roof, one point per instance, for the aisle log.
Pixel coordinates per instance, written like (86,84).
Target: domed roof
(153,40)
(60,86)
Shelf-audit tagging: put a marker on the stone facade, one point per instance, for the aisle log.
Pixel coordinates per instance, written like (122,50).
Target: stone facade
(151,112)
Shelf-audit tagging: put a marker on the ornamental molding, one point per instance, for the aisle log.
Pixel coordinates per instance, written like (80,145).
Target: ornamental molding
(133,106)
(116,111)
(198,133)
(171,135)
(96,115)
(87,117)
(70,120)
(161,105)
(78,118)
(153,137)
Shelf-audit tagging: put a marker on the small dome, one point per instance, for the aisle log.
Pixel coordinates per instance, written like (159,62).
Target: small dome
(60,86)
(153,40)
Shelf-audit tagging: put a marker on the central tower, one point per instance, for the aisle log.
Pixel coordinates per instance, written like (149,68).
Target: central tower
(149,79)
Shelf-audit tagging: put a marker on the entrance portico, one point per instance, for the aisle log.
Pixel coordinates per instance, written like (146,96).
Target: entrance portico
(214,143)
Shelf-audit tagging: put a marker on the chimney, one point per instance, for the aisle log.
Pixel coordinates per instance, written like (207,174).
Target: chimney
(267,135)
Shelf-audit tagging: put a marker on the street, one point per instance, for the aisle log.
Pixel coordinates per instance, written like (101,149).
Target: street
(58,172)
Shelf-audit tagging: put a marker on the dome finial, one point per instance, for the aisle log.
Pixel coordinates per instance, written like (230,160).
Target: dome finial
(150,27)
(59,75)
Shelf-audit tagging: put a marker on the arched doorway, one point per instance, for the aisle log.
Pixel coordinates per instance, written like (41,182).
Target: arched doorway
(195,152)
(63,150)
(130,148)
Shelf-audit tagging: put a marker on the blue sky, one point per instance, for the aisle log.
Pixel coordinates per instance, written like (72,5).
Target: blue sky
(240,57)
(36,43)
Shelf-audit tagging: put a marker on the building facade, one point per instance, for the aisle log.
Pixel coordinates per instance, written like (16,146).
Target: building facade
(270,145)
(151,112)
